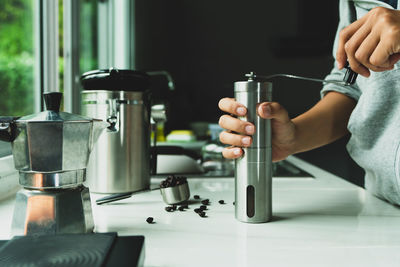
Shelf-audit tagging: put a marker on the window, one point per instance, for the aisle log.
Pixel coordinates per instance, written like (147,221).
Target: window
(17,60)
(88,35)
(27,57)
(47,45)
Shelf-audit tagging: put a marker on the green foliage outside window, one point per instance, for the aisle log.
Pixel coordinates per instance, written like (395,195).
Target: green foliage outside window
(16,85)
(17,51)
(16,57)
(17,54)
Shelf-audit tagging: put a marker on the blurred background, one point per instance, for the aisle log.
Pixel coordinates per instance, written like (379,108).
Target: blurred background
(204,45)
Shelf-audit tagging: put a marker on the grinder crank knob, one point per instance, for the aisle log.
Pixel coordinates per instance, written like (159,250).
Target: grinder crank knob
(350,76)
(52,100)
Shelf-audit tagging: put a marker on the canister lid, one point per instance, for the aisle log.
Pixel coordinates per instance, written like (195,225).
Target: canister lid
(115,80)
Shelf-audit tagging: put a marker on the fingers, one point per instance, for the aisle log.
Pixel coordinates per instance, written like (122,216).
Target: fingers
(351,47)
(242,128)
(229,105)
(345,35)
(236,125)
(371,43)
(232,152)
(372,54)
(233,124)
(359,62)
(235,139)
(366,49)
(380,56)
(241,139)
(273,110)
(341,56)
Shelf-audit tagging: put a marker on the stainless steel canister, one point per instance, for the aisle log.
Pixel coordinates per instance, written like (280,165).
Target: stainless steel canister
(253,171)
(119,162)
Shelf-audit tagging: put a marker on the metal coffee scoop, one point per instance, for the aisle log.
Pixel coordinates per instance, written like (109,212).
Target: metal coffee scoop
(171,195)
(175,194)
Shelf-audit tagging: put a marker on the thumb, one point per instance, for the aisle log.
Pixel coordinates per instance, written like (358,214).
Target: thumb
(273,110)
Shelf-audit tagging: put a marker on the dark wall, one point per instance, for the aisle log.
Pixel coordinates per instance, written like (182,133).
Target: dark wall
(207,45)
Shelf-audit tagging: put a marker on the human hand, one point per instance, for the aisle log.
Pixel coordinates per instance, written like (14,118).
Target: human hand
(371,43)
(283,129)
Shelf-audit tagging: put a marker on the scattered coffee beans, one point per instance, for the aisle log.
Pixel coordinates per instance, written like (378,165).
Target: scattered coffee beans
(150,220)
(221,202)
(173,180)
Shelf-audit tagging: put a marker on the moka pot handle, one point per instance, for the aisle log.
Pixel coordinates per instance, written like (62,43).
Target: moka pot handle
(8,128)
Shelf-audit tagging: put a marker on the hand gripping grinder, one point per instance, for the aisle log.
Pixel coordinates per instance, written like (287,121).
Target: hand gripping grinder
(253,171)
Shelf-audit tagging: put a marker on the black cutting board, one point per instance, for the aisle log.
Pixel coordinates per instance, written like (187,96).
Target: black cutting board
(73,250)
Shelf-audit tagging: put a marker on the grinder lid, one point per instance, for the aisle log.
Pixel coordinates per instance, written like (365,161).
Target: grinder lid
(115,80)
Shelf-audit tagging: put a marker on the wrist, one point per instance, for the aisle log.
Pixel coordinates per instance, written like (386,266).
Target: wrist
(298,144)
(296,148)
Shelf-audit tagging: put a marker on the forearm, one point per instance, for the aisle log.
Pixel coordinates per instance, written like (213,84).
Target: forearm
(323,123)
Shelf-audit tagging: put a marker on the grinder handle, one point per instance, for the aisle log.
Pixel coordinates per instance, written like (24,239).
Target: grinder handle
(350,76)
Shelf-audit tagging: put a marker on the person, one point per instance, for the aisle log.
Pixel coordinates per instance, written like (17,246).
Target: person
(368,37)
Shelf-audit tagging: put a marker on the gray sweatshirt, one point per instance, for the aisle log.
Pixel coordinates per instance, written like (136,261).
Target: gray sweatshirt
(375,122)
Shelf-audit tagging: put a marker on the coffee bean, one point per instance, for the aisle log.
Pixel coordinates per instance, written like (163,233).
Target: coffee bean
(169,209)
(181,180)
(233,202)
(221,202)
(170,178)
(203,207)
(198,210)
(205,202)
(164,184)
(174,207)
(196,197)
(181,208)
(202,214)
(150,219)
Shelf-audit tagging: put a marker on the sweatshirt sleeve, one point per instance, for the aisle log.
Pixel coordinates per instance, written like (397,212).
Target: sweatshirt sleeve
(347,16)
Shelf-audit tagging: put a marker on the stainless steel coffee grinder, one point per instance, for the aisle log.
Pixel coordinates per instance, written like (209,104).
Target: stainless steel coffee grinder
(51,151)
(253,171)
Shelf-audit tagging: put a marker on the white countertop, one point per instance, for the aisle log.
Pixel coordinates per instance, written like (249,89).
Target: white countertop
(318,222)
